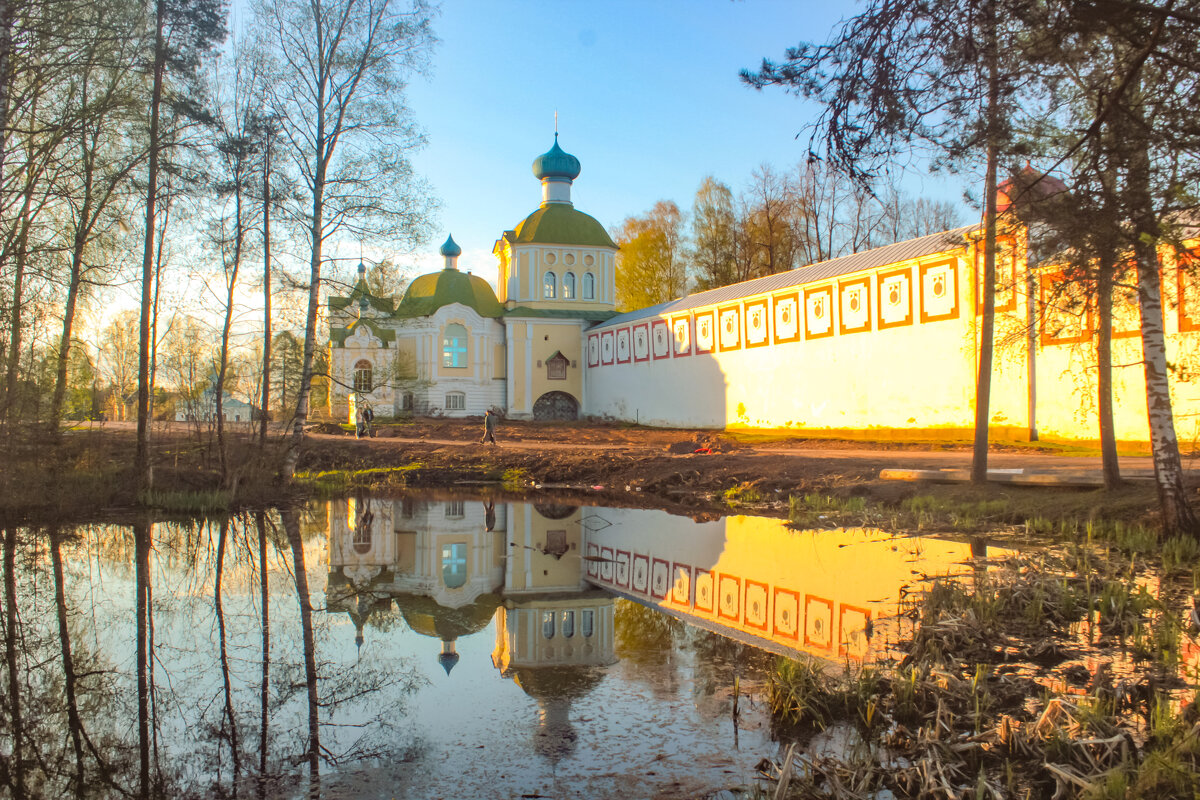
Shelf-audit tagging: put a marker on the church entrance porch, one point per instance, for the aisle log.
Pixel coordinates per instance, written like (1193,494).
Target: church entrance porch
(556,406)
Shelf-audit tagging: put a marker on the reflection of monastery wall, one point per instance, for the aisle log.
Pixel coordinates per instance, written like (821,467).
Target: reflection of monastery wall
(885,339)
(740,576)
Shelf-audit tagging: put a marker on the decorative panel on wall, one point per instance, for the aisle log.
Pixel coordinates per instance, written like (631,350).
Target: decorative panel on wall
(681,584)
(786,614)
(641,342)
(818,622)
(757,317)
(681,335)
(660,339)
(854,305)
(1188,286)
(705,590)
(1126,313)
(1066,318)
(607,347)
(594,350)
(818,312)
(705,331)
(852,630)
(939,291)
(1006,274)
(729,324)
(624,347)
(787,317)
(895,298)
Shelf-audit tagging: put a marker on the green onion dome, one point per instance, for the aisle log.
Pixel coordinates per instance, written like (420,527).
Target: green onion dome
(556,163)
(451,248)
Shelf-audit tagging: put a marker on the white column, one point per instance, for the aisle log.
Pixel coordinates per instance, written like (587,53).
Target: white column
(529,374)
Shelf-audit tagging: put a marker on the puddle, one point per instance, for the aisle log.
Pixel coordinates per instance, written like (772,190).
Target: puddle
(462,647)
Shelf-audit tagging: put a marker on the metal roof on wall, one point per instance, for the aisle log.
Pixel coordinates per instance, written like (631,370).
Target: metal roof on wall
(868,259)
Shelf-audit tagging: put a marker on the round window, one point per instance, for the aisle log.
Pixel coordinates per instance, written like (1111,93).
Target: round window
(570,259)
(550,258)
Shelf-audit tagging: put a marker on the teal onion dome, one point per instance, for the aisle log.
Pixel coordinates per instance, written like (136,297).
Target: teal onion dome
(451,248)
(556,163)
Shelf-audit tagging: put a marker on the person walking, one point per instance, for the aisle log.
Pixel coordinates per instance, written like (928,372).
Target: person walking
(360,423)
(489,427)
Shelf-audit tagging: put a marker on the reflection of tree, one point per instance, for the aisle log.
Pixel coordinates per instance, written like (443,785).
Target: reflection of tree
(142,532)
(721,664)
(291,524)
(643,636)
(16,768)
(260,524)
(229,728)
(76,707)
(68,662)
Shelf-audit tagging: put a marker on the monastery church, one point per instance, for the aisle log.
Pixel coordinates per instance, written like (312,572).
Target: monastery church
(879,343)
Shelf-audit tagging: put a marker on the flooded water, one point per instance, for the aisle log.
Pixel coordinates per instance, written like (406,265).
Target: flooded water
(429,648)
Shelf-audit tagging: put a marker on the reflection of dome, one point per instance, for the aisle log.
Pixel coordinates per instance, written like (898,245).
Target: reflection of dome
(556,163)
(427,293)
(339,596)
(549,683)
(555,510)
(555,688)
(555,736)
(428,618)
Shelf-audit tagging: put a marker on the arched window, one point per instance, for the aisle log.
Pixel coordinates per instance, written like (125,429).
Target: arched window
(406,402)
(589,286)
(569,286)
(456,401)
(362,376)
(550,286)
(454,346)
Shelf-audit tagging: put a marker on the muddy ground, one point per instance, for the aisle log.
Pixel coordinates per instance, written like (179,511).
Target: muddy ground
(693,470)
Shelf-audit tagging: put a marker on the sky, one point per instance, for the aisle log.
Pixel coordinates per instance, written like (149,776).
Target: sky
(647,95)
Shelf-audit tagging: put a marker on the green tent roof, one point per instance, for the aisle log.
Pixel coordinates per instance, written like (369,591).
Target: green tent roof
(559,223)
(430,292)
(360,291)
(340,335)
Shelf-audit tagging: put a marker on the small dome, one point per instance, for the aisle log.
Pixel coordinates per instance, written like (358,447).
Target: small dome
(451,248)
(427,293)
(1029,186)
(556,163)
(448,660)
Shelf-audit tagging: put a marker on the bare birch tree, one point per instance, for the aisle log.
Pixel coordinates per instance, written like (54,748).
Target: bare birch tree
(338,93)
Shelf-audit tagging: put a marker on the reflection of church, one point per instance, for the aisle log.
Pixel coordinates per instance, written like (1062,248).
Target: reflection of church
(451,567)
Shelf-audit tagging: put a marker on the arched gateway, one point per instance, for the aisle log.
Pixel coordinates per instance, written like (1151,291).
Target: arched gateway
(556,405)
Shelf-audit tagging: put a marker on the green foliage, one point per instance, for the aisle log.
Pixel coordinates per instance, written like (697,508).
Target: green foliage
(1180,553)
(650,264)
(203,502)
(334,483)
(803,693)
(742,494)
(515,478)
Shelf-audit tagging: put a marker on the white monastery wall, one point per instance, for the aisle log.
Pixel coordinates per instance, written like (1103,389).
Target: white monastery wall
(782,360)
